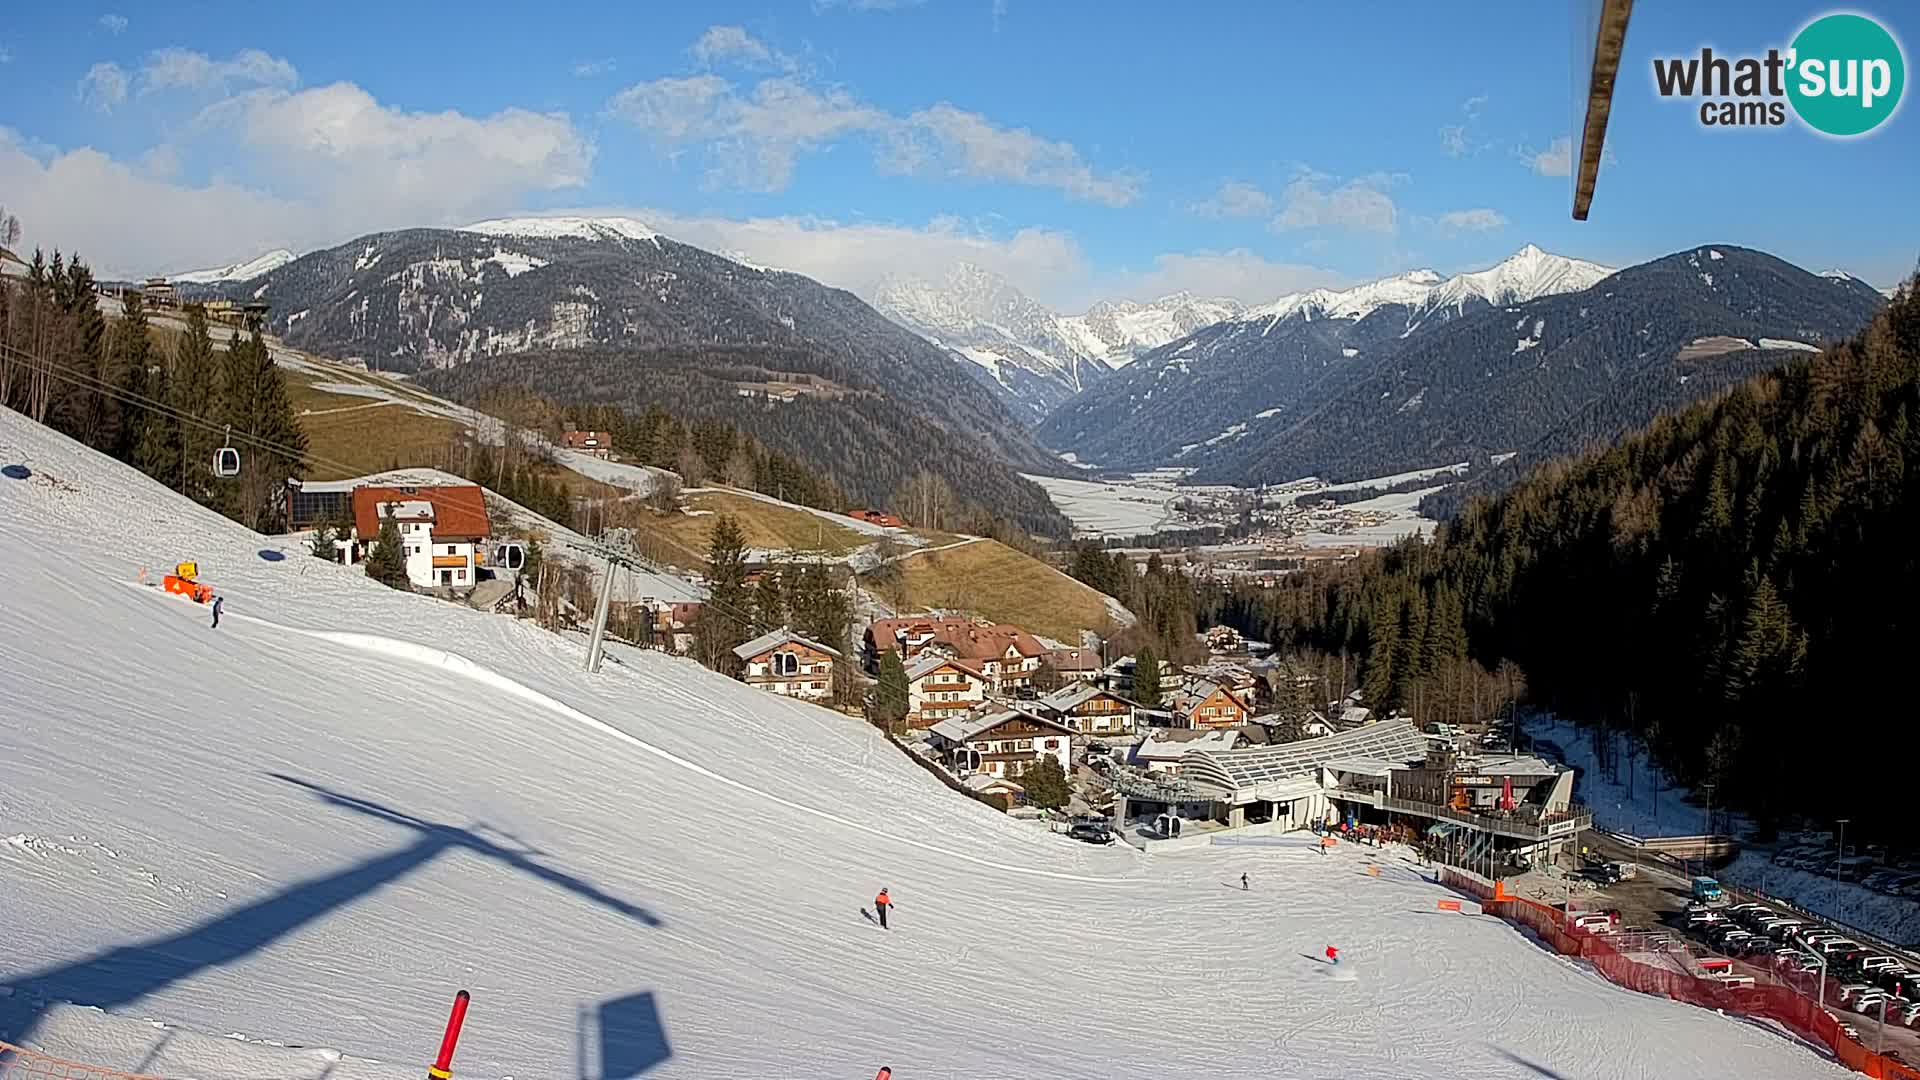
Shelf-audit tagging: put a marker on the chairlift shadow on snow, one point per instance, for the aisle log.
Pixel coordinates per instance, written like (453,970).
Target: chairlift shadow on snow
(272,554)
(16,472)
(621,1038)
(120,975)
(1538,1069)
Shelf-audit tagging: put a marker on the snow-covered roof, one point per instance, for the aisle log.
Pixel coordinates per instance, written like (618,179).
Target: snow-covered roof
(1363,766)
(1068,697)
(983,782)
(776,638)
(962,728)
(928,662)
(1510,765)
(1174,745)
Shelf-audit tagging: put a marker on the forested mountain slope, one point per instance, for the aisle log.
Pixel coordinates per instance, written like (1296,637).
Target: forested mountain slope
(1715,583)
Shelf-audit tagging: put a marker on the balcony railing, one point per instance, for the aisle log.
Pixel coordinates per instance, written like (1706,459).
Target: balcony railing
(1524,823)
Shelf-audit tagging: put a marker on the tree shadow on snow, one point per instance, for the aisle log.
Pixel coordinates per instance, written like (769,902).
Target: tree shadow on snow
(1538,1069)
(621,1039)
(122,975)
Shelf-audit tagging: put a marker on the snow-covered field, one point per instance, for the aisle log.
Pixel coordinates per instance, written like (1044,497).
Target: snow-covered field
(312,825)
(1640,808)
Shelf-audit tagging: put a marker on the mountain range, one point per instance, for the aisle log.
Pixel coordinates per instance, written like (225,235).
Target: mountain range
(1035,358)
(245,271)
(1193,398)
(608,310)
(1550,375)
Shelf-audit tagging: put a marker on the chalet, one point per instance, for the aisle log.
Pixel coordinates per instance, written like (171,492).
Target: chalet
(1161,751)
(999,786)
(1003,744)
(11,265)
(1089,709)
(782,662)
(1203,704)
(592,443)
(942,688)
(1118,676)
(1082,665)
(877,517)
(1007,655)
(443,529)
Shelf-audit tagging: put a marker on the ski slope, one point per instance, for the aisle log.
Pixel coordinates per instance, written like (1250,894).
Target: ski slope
(277,848)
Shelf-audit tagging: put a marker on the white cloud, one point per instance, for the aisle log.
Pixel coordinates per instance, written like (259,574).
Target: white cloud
(1558,158)
(999,12)
(325,165)
(1473,105)
(1359,205)
(1453,140)
(104,86)
(5,56)
(587,69)
(755,137)
(723,43)
(1555,160)
(1480,219)
(1239,274)
(1459,140)
(969,144)
(114,24)
(1235,198)
(174,68)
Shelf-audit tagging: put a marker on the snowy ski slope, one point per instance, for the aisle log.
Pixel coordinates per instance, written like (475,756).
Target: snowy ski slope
(312,825)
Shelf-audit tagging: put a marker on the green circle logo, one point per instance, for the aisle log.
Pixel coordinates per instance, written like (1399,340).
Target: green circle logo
(1847,74)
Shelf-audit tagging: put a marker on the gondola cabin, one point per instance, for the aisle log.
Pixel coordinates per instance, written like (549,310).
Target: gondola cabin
(226,462)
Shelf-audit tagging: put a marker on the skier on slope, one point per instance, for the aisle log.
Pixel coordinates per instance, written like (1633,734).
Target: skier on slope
(880,905)
(217,601)
(1333,956)
(1243,883)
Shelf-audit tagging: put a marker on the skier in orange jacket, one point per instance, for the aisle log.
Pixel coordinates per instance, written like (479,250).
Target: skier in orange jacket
(880,905)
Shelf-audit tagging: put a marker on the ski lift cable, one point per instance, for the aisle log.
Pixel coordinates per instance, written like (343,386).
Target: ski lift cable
(141,401)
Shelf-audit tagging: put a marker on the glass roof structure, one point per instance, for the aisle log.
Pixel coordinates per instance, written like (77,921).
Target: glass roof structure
(1243,770)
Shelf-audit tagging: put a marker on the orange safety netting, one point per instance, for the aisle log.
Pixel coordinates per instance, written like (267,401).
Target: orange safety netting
(1767,998)
(20,1063)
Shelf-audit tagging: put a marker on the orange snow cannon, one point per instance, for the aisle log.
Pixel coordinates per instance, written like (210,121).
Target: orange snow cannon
(193,590)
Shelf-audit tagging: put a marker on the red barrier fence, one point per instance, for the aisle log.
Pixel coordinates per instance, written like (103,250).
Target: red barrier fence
(20,1063)
(1767,997)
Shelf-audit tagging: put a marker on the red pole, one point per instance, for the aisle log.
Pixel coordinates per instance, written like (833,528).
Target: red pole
(443,1065)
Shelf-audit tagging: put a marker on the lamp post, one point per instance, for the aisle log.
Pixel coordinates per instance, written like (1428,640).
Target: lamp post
(1820,959)
(1840,848)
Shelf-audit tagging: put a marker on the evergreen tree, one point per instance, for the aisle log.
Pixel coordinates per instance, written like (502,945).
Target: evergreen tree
(387,563)
(890,697)
(322,546)
(769,602)
(135,342)
(254,401)
(158,451)
(1046,678)
(1046,783)
(1146,677)
(195,392)
(724,617)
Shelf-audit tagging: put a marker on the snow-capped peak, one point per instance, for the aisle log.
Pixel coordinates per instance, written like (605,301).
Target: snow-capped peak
(1527,274)
(579,228)
(246,271)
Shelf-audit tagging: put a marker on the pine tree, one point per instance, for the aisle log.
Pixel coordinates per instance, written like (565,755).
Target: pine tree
(158,451)
(769,602)
(387,563)
(890,697)
(1046,783)
(255,401)
(195,392)
(322,546)
(1146,677)
(724,617)
(134,339)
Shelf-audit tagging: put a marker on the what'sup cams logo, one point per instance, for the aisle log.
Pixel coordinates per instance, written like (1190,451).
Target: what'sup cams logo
(1842,76)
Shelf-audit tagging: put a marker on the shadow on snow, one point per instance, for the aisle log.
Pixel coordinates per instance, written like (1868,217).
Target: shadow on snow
(630,1027)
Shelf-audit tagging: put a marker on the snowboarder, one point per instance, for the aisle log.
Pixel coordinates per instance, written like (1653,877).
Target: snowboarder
(1333,956)
(217,601)
(1243,883)
(880,905)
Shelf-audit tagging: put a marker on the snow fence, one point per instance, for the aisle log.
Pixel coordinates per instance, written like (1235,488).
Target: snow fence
(20,1063)
(1767,999)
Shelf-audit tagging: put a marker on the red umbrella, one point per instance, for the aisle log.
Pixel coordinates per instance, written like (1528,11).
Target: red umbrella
(1506,794)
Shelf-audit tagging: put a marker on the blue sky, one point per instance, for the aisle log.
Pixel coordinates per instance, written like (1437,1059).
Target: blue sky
(1082,149)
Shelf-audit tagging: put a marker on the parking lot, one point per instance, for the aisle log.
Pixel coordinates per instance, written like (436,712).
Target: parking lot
(1767,943)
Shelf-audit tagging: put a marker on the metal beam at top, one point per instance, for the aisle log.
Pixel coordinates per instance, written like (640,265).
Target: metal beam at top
(1610,40)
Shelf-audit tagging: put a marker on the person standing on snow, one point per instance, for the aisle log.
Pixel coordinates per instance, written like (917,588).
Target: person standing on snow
(880,905)
(1243,883)
(217,601)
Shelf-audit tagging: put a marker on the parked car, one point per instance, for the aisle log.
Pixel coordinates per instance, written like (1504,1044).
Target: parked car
(1878,963)
(1853,990)
(1909,1014)
(1091,832)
